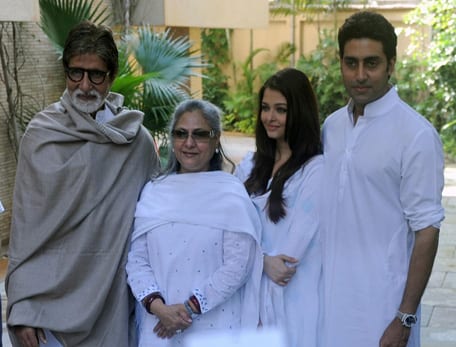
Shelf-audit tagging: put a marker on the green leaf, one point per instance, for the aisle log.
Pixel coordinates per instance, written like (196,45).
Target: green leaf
(58,17)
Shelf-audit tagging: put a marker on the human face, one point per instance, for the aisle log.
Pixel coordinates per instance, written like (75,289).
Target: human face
(86,96)
(365,71)
(274,114)
(193,155)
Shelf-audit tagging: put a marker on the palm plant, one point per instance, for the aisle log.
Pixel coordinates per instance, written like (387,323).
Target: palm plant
(162,66)
(59,16)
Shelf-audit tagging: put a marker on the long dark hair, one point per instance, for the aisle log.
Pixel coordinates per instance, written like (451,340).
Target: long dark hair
(302,133)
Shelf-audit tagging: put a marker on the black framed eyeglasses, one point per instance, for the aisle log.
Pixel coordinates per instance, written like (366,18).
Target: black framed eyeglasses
(76,74)
(198,135)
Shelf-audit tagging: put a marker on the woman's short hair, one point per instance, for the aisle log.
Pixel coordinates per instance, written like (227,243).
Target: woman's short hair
(213,116)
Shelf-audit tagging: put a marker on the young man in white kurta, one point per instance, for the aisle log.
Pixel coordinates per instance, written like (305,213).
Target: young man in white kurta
(382,212)
(385,182)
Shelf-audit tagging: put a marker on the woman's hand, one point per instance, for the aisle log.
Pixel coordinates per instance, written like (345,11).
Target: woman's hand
(173,319)
(277,269)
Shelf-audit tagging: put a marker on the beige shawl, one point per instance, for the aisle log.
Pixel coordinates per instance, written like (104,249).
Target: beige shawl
(76,188)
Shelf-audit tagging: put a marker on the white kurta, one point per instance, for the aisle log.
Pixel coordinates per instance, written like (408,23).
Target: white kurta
(196,234)
(384,180)
(293,308)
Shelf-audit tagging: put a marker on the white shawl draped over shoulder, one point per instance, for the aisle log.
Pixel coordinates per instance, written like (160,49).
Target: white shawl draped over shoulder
(216,201)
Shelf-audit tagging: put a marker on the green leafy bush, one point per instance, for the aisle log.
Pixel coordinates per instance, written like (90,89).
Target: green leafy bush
(436,51)
(322,68)
(215,50)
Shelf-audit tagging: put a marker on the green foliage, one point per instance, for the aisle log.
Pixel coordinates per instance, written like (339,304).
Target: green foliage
(438,76)
(448,134)
(59,16)
(129,80)
(240,115)
(215,50)
(322,68)
(158,76)
(410,79)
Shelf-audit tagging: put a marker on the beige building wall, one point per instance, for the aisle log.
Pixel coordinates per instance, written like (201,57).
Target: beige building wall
(19,10)
(306,33)
(202,13)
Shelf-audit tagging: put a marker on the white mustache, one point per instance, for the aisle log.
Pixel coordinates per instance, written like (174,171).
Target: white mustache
(79,92)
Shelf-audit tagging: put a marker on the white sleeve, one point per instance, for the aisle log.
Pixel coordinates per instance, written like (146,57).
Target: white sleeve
(422,181)
(140,275)
(238,260)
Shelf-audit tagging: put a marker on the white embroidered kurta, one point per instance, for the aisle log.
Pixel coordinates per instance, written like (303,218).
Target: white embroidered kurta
(384,180)
(294,308)
(196,234)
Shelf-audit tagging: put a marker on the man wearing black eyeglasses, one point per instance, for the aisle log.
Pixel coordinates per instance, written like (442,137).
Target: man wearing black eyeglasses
(82,163)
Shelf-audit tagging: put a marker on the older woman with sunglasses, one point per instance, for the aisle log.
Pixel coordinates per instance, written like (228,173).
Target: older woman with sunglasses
(195,262)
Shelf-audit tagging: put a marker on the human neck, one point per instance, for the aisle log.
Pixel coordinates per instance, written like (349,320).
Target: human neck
(358,111)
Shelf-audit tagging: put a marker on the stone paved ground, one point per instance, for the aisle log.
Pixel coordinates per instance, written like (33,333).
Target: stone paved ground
(439,300)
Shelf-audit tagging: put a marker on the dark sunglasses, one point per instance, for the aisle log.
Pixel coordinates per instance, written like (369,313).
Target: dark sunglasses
(76,74)
(198,135)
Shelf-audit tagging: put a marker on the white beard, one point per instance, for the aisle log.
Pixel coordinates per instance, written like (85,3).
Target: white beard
(87,106)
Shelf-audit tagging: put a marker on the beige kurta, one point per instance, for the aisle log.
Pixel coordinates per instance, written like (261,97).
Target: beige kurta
(76,189)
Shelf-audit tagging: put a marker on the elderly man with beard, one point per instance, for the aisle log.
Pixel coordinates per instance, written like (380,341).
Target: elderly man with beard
(82,164)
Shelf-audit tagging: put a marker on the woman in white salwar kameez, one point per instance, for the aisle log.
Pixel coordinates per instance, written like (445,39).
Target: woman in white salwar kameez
(283,179)
(195,262)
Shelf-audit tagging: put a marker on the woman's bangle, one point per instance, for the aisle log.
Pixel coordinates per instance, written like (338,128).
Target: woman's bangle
(194,301)
(150,298)
(188,308)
